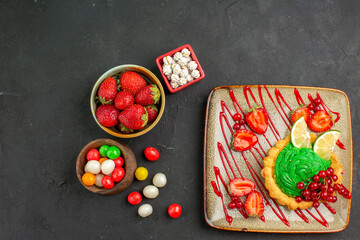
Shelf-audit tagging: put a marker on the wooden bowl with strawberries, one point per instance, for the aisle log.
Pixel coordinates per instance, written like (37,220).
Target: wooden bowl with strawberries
(127,101)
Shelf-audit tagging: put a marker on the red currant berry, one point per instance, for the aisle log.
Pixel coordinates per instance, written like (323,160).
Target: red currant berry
(328,173)
(237,117)
(337,187)
(331,170)
(317,101)
(235,199)
(317,108)
(298,199)
(239,204)
(342,191)
(314,186)
(306,193)
(330,190)
(329,199)
(316,204)
(322,174)
(316,178)
(242,122)
(328,181)
(307,199)
(323,187)
(347,195)
(311,106)
(334,199)
(229,219)
(334,177)
(232,205)
(323,195)
(300,185)
(314,195)
(236,126)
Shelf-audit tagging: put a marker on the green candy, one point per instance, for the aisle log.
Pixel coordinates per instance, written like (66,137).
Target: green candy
(103,150)
(113,152)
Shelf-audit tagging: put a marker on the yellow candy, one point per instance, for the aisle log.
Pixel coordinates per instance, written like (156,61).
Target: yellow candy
(141,173)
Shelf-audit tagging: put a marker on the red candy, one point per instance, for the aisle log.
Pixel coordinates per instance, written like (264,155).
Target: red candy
(134,198)
(107,182)
(174,210)
(119,162)
(118,174)
(93,154)
(151,154)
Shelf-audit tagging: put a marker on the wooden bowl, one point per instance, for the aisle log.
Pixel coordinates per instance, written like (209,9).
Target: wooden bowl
(146,73)
(129,166)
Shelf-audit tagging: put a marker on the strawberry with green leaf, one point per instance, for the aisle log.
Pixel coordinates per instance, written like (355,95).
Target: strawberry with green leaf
(107,91)
(257,119)
(148,95)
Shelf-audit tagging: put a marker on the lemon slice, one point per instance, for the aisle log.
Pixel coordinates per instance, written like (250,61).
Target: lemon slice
(300,137)
(325,143)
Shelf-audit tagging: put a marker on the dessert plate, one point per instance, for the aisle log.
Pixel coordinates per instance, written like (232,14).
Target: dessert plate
(222,103)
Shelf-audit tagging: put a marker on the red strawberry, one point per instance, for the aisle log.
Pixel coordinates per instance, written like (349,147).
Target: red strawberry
(241,186)
(107,91)
(132,82)
(134,117)
(301,111)
(257,119)
(254,205)
(243,139)
(320,121)
(107,115)
(152,111)
(123,99)
(148,95)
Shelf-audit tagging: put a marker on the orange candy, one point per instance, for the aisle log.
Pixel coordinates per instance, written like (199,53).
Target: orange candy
(101,160)
(88,179)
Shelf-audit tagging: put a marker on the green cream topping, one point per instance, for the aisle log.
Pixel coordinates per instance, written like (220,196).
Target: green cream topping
(295,165)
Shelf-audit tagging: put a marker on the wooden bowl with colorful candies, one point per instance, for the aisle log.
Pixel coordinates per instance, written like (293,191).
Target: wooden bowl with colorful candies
(106,166)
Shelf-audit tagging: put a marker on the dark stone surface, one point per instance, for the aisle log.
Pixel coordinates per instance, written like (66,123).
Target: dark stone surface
(52,52)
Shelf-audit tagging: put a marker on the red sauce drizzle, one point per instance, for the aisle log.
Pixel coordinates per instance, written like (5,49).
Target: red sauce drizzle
(331,209)
(322,221)
(301,215)
(298,97)
(280,97)
(276,107)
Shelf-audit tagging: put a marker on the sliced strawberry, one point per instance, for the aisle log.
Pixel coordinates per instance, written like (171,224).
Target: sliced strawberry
(243,139)
(241,186)
(300,112)
(254,205)
(257,120)
(320,121)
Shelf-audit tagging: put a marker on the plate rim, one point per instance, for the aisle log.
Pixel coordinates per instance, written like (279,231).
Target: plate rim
(205,147)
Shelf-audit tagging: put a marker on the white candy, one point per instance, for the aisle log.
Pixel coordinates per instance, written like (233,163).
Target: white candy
(92,166)
(145,210)
(107,167)
(159,180)
(192,65)
(182,81)
(175,78)
(99,177)
(176,68)
(185,52)
(174,84)
(189,78)
(177,56)
(184,72)
(167,70)
(150,191)
(182,61)
(195,73)
(167,60)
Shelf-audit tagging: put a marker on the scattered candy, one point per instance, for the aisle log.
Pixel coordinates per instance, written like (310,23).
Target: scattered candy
(118,174)
(103,150)
(119,162)
(99,177)
(151,154)
(174,210)
(107,167)
(107,182)
(92,166)
(93,154)
(88,179)
(141,173)
(134,198)
(145,210)
(113,152)
(150,191)
(159,180)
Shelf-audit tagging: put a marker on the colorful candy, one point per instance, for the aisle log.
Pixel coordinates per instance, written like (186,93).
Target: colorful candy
(141,173)
(145,210)
(174,210)
(113,152)
(103,150)
(118,174)
(88,179)
(151,154)
(134,198)
(92,166)
(107,182)
(107,167)
(159,180)
(150,191)
(93,154)
(99,177)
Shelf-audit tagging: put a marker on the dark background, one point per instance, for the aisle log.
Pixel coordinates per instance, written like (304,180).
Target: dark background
(51,54)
